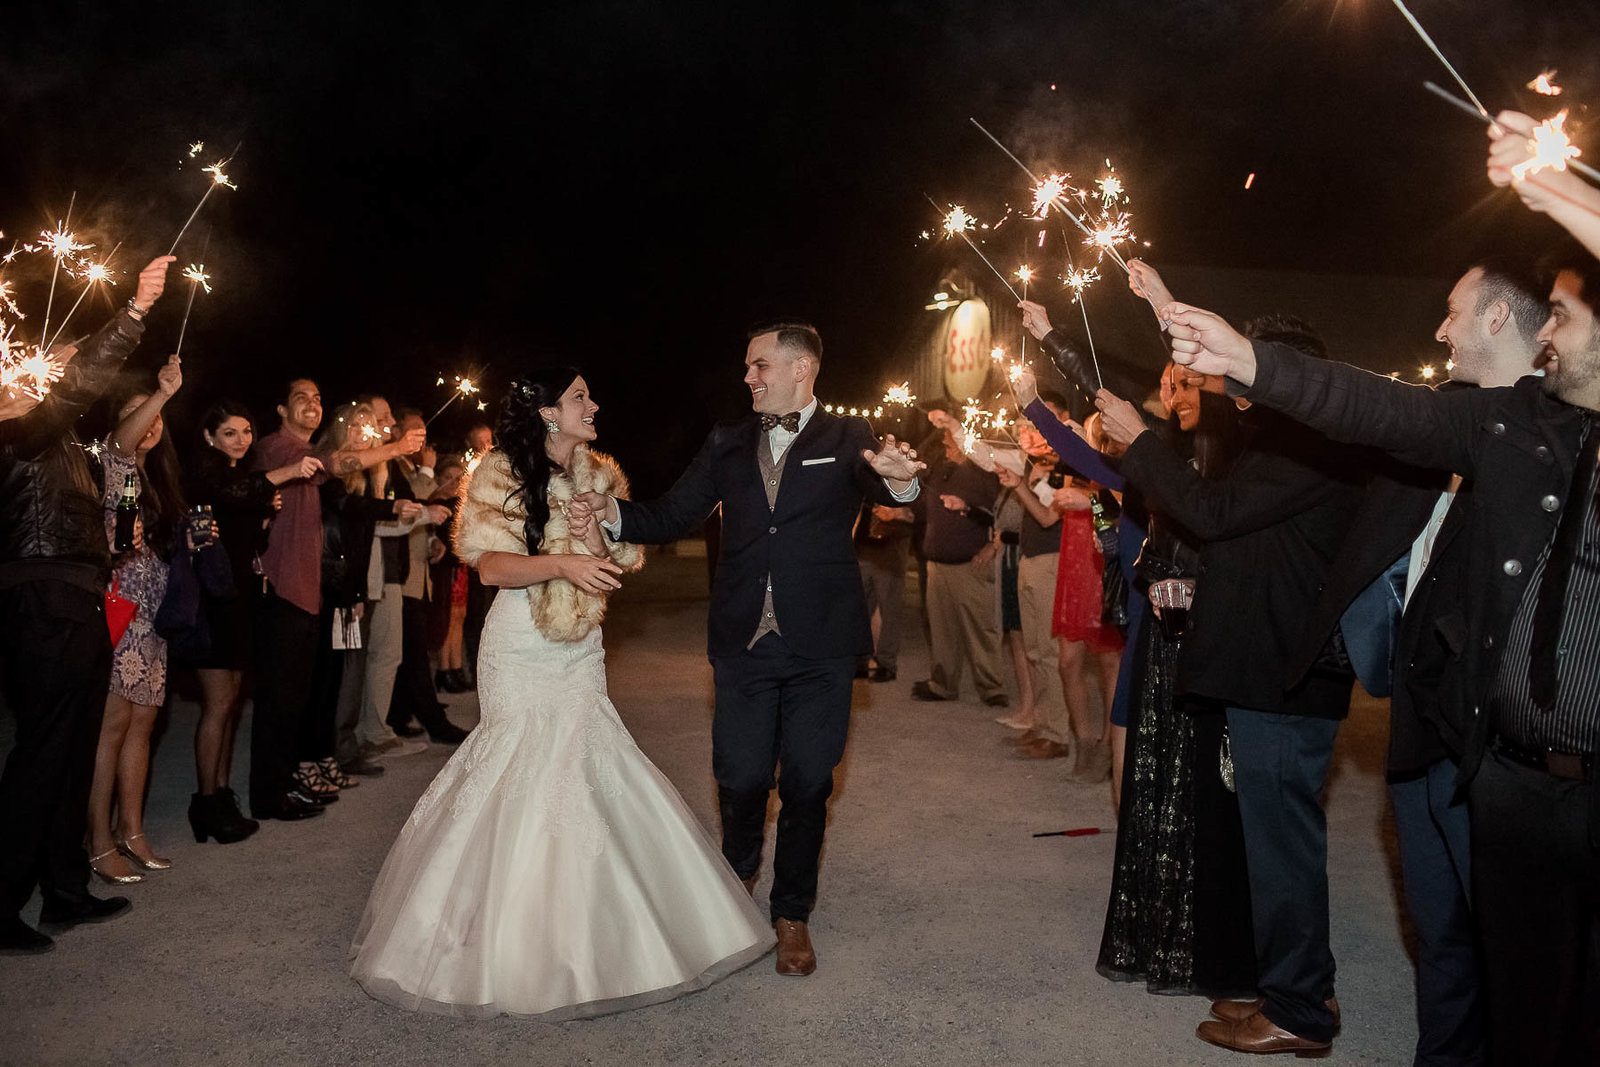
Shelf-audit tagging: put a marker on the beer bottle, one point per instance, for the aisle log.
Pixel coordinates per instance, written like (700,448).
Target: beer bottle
(127,513)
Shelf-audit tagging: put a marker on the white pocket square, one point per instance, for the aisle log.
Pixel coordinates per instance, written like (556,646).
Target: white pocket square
(814,462)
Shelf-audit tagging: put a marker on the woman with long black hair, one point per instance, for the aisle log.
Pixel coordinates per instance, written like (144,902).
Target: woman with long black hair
(550,870)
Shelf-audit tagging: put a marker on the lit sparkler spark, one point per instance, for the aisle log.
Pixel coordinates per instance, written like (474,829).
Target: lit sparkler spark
(1025,274)
(1080,278)
(997,354)
(25,371)
(59,243)
(8,298)
(900,394)
(1110,232)
(196,272)
(1111,192)
(1048,191)
(1545,84)
(196,148)
(1015,376)
(957,221)
(1551,148)
(217,176)
(371,433)
(483,405)
(97,272)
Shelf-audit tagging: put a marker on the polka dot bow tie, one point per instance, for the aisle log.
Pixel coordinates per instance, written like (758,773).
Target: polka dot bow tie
(790,422)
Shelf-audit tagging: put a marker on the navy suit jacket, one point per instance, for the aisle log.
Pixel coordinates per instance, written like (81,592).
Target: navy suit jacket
(804,543)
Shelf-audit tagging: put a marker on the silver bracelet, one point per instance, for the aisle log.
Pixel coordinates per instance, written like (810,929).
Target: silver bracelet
(137,312)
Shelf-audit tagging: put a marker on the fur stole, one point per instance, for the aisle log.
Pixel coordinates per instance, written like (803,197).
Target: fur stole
(490,521)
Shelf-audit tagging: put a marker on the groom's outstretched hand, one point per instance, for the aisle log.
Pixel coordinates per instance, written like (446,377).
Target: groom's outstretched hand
(895,460)
(604,508)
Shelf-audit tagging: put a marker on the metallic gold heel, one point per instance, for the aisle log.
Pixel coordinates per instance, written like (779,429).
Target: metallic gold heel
(114,879)
(154,863)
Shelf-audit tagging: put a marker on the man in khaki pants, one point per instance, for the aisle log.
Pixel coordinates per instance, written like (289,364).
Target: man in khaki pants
(962,606)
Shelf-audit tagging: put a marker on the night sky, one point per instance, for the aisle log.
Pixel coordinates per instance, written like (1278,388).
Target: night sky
(627,186)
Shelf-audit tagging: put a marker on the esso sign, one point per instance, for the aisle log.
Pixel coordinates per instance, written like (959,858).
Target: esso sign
(966,346)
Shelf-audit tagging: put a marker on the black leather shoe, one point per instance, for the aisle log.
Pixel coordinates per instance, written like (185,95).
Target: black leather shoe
(997,700)
(881,674)
(57,915)
(321,800)
(924,691)
(17,938)
(446,732)
(863,672)
(362,768)
(405,729)
(289,807)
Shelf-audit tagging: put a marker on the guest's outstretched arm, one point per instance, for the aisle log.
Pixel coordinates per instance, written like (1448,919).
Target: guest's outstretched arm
(1073,450)
(1436,430)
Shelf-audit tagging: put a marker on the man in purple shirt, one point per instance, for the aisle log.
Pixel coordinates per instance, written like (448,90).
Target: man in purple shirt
(287,609)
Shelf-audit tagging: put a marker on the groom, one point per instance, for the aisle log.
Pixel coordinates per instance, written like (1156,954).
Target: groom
(788,615)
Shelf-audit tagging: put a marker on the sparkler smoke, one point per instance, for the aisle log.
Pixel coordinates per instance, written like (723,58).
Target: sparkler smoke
(1551,147)
(956,223)
(1435,50)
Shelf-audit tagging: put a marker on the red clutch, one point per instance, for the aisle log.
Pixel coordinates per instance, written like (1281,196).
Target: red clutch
(119,613)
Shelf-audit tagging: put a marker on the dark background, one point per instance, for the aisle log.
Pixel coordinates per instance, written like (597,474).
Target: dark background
(626,186)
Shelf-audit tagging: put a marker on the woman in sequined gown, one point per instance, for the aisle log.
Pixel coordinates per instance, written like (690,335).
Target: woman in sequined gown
(1179,914)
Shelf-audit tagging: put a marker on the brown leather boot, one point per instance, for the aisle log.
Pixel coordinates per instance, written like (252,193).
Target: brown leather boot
(795,955)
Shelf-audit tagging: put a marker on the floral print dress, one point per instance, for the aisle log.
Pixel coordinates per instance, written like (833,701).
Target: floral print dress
(139,662)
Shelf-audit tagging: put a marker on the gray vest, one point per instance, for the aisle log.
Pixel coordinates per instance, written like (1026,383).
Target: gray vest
(771,480)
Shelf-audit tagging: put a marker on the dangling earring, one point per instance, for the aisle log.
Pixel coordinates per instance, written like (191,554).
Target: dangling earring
(552,427)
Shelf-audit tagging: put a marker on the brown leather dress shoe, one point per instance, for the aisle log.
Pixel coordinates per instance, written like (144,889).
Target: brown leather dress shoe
(1256,1034)
(795,955)
(1042,748)
(1237,1011)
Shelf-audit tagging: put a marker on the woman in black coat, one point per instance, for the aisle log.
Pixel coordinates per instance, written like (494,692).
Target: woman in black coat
(242,503)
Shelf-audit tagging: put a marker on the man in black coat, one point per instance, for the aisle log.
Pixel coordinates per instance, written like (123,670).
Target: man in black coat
(55,661)
(1505,653)
(1268,529)
(1494,313)
(788,615)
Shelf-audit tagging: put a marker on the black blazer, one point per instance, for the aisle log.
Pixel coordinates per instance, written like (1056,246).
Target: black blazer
(804,543)
(1267,533)
(1516,446)
(1396,505)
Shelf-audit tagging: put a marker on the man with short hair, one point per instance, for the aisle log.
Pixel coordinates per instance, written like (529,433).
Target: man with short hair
(1510,651)
(1492,319)
(287,609)
(788,615)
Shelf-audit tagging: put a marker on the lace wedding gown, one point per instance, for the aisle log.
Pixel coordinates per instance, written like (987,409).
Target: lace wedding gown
(550,869)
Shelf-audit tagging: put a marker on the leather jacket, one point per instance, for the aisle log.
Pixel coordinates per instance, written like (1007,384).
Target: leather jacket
(51,520)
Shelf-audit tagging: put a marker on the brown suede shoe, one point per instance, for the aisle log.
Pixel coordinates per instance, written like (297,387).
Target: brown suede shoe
(1237,1011)
(1256,1034)
(1023,738)
(795,955)
(1042,748)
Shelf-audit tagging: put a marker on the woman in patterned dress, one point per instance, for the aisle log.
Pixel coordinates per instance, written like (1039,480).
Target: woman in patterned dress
(137,446)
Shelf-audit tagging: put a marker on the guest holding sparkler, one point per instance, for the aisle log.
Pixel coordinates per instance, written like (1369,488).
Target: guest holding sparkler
(139,459)
(54,564)
(287,612)
(242,501)
(1269,531)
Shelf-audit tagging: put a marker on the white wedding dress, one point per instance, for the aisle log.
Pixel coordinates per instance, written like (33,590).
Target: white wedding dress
(550,869)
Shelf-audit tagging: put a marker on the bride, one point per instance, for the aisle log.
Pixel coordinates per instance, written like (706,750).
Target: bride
(550,869)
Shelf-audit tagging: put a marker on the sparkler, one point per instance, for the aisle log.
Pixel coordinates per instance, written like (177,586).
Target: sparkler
(92,273)
(1545,84)
(60,244)
(1078,279)
(1551,147)
(900,395)
(198,279)
(1435,50)
(30,373)
(464,386)
(956,224)
(218,177)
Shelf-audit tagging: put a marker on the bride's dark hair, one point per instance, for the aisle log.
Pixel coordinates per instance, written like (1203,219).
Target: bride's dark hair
(521,436)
